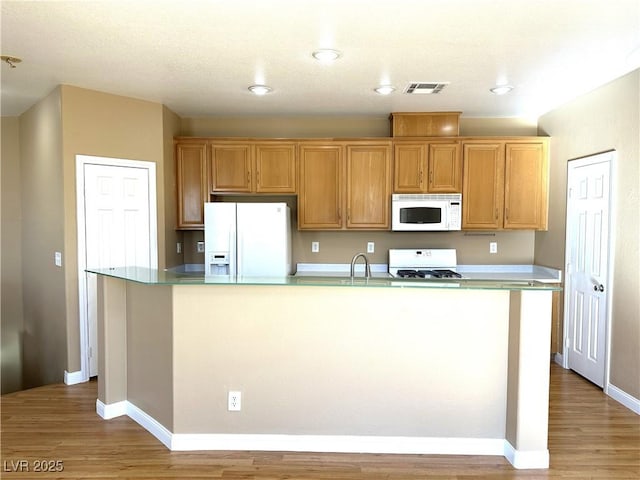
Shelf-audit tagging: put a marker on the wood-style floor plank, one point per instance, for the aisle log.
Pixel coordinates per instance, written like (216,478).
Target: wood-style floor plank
(590,437)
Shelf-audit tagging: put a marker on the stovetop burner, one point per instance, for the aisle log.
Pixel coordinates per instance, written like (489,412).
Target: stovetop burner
(410,274)
(429,263)
(435,273)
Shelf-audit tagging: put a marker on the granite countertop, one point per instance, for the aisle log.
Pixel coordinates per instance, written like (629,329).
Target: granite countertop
(500,273)
(186,276)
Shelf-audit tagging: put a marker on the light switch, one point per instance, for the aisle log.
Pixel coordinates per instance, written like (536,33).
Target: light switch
(57,259)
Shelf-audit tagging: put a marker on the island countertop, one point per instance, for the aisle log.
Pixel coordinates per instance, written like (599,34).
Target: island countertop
(151,276)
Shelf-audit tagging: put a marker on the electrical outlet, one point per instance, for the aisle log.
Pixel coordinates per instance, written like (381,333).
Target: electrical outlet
(493,247)
(178,247)
(200,247)
(234,401)
(371,247)
(315,247)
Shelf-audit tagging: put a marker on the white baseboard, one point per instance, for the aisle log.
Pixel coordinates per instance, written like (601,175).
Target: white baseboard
(325,443)
(526,458)
(624,398)
(339,444)
(557,358)
(111,410)
(151,425)
(73,378)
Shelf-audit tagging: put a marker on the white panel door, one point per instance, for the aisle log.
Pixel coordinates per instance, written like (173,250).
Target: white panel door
(587,265)
(117,226)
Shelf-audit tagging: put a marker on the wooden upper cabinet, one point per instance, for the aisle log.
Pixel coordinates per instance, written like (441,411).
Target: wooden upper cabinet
(483,186)
(320,186)
(445,168)
(231,168)
(253,167)
(275,168)
(422,167)
(429,124)
(409,165)
(526,186)
(192,188)
(505,185)
(368,186)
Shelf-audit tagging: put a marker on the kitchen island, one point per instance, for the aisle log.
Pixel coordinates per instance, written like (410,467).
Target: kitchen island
(328,364)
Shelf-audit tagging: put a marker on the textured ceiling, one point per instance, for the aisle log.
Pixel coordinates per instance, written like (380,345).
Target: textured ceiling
(199,57)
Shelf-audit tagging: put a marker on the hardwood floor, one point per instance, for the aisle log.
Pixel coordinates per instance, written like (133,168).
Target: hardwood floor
(590,437)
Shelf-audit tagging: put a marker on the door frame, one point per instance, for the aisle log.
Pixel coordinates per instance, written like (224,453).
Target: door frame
(81,161)
(609,156)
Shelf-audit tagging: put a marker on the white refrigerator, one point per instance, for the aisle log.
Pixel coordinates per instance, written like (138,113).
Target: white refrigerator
(247,239)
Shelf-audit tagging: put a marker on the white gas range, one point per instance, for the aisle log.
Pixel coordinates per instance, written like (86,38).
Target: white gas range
(428,263)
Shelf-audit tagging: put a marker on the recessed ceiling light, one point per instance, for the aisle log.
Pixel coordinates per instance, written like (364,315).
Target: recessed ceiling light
(259,89)
(326,55)
(501,89)
(385,89)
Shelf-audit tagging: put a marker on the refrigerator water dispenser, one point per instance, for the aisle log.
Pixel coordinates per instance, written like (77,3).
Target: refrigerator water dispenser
(218,263)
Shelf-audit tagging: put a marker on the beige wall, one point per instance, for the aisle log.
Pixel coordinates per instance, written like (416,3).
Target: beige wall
(335,126)
(359,363)
(43,233)
(170,129)
(149,349)
(11,250)
(607,118)
(104,125)
(68,122)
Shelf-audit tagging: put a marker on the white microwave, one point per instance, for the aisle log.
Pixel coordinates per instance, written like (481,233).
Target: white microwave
(426,212)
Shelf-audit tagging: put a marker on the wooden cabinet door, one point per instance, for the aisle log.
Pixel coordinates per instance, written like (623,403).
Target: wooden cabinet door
(275,170)
(231,168)
(483,186)
(320,187)
(409,165)
(445,168)
(526,186)
(191,173)
(368,186)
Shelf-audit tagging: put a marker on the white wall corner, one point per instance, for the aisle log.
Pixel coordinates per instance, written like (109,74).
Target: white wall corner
(73,378)
(523,459)
(623,397)
(111,410)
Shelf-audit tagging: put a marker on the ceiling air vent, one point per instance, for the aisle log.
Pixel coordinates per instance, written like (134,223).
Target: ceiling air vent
(425,88)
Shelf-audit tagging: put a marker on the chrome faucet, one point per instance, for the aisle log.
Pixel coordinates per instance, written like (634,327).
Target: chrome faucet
(367,268)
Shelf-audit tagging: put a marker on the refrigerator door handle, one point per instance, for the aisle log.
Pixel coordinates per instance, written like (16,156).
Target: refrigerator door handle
(232,252)
(239,253)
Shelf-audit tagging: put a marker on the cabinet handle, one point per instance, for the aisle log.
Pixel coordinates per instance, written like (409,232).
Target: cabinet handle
(258,178)
(431,177)
(496,214)
(506,213)
(249,178)
(421,176)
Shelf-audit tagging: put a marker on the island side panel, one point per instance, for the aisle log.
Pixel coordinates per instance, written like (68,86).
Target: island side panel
(150,350)
(341,361)
(528,388)
(112,338)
